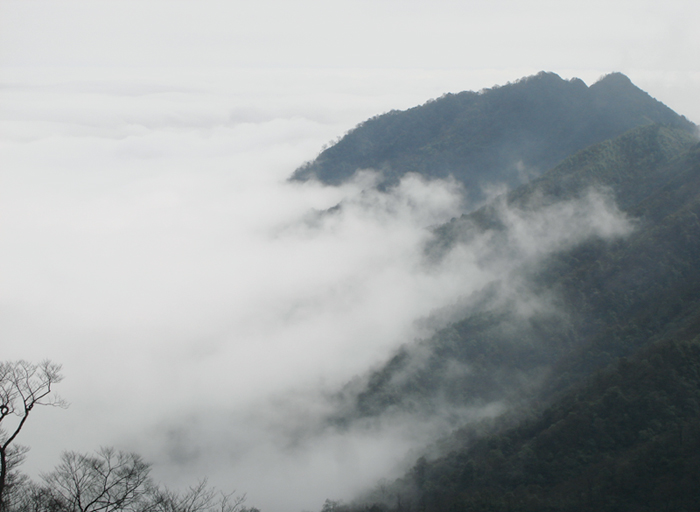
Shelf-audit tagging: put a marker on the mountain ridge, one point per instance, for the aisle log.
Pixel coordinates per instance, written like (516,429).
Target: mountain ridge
(588,345)
(502,135)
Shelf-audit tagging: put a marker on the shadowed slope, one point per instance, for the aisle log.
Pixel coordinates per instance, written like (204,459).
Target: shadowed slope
(603,299)
(613,424)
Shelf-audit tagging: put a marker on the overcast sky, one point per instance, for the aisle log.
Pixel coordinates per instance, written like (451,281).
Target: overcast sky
(150,243)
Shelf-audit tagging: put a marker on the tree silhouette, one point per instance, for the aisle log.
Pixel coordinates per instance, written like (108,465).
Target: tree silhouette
(23,386)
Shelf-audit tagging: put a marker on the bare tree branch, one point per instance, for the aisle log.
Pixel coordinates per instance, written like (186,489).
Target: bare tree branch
(108,481)
(199,498)
(23,386)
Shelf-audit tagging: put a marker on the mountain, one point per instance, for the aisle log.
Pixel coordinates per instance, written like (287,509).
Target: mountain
(600,388)
(570,375)
(503,135)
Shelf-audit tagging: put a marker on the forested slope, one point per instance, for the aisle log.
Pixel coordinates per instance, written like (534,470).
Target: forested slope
(603,389)
(605,298)
(629,439)
(580,349)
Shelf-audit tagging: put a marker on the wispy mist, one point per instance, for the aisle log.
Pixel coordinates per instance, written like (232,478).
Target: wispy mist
(283,440)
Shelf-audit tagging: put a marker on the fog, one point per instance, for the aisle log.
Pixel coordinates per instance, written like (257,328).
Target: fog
(203,308)
(196,300)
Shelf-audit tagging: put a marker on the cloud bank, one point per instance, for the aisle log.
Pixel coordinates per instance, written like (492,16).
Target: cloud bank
(205,309)
(157,252)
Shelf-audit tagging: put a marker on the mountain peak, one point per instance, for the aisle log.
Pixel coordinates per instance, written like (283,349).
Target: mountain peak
(615,83)
(543,76)
(614,78)
(548,81)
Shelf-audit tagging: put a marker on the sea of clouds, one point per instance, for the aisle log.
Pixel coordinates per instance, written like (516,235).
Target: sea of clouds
(153,246)
(203,307)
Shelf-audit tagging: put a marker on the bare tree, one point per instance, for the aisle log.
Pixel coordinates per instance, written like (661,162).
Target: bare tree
(199,498)
(36,498)
(111,481)
(107,481)
(15,482)
(23,386)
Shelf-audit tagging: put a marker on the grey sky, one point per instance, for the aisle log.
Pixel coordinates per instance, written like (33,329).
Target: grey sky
(148,240)
(655,43)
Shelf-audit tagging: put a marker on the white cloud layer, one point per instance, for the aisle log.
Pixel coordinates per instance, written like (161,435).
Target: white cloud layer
(201,305)
(158,253)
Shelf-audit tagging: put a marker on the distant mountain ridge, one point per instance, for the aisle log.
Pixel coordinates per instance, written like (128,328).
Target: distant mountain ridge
(503,135)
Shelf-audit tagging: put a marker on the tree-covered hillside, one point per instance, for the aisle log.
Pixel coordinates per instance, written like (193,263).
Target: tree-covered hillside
(598,294)
(627,440)
(602,384)
(503,135)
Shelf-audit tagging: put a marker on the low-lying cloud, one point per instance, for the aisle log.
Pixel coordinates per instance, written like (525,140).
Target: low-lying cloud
(280,442)
(159,254)
(205,310)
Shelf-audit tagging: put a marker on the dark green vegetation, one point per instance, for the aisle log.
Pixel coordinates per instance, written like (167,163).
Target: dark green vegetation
(600,377)
(501,135)
(627,440)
